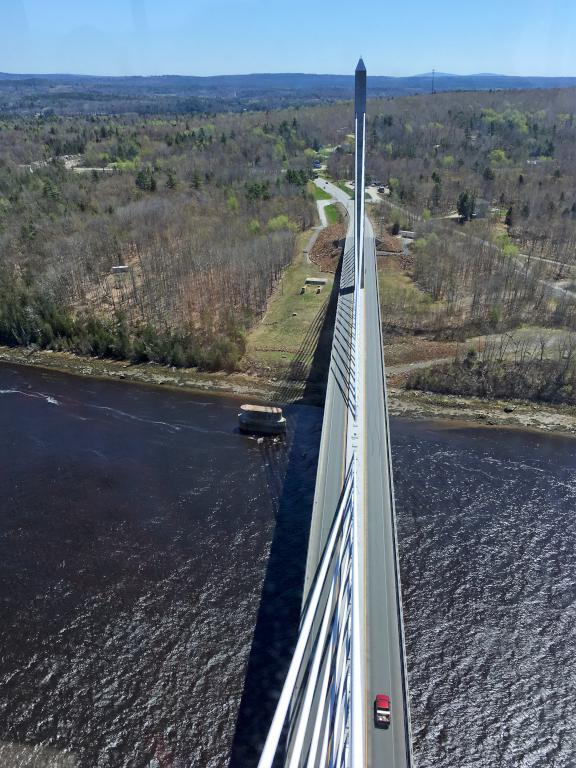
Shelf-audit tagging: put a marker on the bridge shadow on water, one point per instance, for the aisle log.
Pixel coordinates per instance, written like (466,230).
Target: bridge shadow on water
(278,619)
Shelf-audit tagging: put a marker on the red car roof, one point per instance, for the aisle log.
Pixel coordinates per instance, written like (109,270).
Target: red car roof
(382,701)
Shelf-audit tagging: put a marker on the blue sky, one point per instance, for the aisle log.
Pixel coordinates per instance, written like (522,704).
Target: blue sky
(208,37)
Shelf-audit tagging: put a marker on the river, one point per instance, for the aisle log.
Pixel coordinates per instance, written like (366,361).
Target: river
(487,524)
(139,532)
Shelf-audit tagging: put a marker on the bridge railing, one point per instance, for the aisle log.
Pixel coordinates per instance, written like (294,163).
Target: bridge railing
(316,692)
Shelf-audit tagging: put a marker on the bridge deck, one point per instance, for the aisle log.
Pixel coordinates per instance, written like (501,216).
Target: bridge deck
(384,664)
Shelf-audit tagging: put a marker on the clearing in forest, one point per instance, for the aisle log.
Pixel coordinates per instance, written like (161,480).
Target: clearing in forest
(275,343)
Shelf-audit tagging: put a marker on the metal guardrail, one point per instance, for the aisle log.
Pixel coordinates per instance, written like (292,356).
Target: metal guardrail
(316,692)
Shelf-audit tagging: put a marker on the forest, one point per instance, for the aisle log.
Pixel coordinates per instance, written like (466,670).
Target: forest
(162,237)
(487,182)
(147,239)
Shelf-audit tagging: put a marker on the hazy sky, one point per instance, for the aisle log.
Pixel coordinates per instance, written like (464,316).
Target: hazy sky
(208,37)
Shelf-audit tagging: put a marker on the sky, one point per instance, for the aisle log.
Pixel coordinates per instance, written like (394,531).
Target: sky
(210,37)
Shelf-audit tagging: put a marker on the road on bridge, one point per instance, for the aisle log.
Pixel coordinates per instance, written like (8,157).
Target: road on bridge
(384,663)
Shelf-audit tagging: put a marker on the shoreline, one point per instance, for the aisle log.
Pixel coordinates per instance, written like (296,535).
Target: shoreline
(502,414)
(233,385)
(412,404)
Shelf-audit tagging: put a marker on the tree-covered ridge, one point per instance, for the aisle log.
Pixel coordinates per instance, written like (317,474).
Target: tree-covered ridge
(172,94)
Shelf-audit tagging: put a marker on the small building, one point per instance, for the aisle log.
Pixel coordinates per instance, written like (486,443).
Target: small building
(120,269)
(316,281)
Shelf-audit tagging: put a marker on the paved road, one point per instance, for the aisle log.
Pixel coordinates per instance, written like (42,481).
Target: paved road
(384,662)
(332,456)
(321,205)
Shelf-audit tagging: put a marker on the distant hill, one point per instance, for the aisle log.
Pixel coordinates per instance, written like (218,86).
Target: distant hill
(69,94)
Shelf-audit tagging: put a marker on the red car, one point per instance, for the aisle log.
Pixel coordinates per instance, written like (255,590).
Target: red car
(381,711)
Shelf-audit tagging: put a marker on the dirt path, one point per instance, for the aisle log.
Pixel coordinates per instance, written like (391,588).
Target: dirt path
(394,370)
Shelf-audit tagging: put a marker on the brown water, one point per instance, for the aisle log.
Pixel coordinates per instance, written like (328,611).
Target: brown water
(151,561)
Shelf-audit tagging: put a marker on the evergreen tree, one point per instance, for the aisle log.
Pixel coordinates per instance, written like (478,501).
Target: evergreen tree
(465,206)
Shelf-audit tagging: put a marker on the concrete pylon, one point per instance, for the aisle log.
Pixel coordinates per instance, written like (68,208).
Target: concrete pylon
(360,88)
(360,120)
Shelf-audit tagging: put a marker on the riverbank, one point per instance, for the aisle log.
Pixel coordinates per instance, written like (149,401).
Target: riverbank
(410,404)
(497,413)
(229,384)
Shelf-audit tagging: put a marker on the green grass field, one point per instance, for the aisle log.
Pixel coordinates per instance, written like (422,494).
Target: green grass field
(332,214)
(275,341)
(319,194)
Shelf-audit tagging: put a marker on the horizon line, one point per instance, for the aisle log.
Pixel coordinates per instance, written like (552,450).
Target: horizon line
(438,75)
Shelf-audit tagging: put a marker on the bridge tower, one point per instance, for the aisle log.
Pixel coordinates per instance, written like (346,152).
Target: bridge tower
(360,120)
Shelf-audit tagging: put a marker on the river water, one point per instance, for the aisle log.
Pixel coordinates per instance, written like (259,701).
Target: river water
(151,561)
(487,524)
